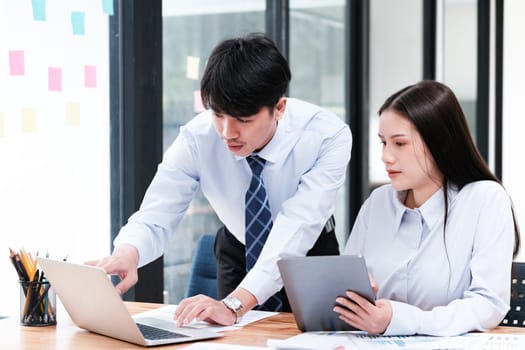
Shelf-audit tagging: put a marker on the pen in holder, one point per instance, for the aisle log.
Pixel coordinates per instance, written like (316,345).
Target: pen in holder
(37,303)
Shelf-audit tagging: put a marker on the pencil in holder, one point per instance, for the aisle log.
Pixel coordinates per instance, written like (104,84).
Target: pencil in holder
(37,304)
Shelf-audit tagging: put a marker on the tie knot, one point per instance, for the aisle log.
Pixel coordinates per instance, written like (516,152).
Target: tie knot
(256,163)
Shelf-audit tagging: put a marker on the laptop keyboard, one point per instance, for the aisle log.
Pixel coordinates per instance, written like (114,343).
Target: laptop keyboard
(153,333)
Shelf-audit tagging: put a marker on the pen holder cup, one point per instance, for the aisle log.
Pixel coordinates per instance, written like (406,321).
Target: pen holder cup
(37,304)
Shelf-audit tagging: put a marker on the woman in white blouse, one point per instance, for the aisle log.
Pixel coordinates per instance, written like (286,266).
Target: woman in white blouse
(439,240)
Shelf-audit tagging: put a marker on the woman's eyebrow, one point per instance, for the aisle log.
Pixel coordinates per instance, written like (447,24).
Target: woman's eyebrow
(393,136)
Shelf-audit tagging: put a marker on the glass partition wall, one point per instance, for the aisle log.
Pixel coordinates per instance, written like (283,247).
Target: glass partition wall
(190,31)
(513,120)
(459,56)
(396,47)
(317,60)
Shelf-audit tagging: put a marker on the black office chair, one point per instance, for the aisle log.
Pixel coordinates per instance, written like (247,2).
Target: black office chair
(516,315)
(203,274)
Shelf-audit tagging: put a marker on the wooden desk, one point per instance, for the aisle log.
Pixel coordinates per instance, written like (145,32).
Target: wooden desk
(65,335)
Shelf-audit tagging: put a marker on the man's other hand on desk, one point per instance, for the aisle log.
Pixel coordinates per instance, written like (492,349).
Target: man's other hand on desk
(123,262)
(204,308)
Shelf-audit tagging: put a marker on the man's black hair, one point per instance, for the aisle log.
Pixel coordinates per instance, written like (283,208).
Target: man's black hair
(243,75)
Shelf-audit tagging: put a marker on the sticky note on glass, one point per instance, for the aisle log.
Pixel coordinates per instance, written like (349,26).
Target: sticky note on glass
(16,62)
(192,67)
(39,10)
(90,76)
(29,120)
(77,21)
(54,79)
(197,102)
(73,114)
(108,7)
(2,124)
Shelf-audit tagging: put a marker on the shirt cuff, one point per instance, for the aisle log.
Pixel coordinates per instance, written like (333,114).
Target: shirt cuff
(404,321)
(260,284)
(140,237)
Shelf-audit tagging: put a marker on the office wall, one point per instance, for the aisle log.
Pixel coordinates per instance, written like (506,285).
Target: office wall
(513,171)
(54,132)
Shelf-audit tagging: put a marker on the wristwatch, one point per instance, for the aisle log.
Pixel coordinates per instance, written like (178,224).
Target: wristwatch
(235,306)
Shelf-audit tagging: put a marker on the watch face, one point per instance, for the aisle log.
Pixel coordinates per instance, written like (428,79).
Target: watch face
(233,303)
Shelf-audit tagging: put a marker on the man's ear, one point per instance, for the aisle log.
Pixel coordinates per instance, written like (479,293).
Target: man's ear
(280,107)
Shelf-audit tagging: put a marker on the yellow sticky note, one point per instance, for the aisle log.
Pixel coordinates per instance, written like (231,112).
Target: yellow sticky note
(192,67)
(2,124)
(29,123)
(73,114)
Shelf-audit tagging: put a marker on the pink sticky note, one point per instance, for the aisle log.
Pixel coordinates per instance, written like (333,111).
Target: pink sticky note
(54,79)
(90,76)
(197,102)
(16,62)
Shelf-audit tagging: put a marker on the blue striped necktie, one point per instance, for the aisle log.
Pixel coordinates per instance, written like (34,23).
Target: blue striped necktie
(258,220)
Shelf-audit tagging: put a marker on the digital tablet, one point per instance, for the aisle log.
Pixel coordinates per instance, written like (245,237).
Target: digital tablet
(312,284)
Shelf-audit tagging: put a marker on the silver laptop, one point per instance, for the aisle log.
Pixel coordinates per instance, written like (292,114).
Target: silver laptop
(312,284)
(94,304)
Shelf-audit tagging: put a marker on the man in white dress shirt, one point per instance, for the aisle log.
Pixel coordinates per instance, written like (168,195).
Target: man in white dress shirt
(305,151)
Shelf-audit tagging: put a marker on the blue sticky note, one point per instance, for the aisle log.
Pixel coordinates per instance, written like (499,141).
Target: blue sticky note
(39,10)
(77,20)
(107,7)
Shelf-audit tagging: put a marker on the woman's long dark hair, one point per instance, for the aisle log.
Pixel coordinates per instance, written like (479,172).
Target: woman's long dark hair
(436,114)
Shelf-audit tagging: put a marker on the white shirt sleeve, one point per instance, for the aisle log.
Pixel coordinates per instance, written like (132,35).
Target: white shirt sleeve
(165,202)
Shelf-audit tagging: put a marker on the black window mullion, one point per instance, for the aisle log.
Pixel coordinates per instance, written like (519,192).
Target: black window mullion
(278,24)
(136,121)
(483,76)
(429,39)
(357,101)
(499,89)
